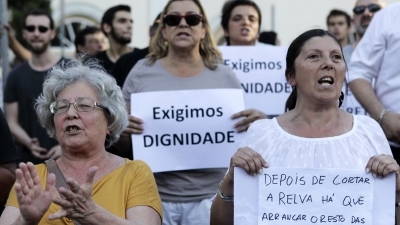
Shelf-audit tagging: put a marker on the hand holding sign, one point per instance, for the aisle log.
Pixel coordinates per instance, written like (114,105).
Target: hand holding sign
(251,161)
(250,115)
(382,165)
(134,126)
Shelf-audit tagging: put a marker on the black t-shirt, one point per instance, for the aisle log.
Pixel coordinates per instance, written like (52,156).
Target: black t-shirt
(106,62)
(120,71)
(8,152)
(125,64)
(24,85)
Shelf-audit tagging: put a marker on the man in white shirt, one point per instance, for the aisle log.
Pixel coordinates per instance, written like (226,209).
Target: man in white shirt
(377,57)
(364,10)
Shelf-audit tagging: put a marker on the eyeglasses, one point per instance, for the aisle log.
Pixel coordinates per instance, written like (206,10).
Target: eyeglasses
(31,28)
(80,104)
(372,8)
(175,20)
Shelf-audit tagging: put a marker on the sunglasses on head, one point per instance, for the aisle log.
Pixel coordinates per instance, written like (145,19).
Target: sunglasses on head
(175,20)
(31,28)
(372,8)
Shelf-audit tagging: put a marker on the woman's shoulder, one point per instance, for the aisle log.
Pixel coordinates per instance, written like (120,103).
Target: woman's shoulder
(366,121)
(262,125)
(142,68)
(138,166)
(225,75)
(223,68)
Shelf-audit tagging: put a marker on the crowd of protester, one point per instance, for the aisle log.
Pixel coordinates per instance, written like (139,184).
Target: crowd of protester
(61,164)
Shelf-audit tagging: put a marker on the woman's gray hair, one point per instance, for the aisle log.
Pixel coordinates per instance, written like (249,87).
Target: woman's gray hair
(91,73)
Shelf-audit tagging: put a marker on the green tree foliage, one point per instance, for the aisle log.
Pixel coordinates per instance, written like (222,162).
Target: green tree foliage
(19,8)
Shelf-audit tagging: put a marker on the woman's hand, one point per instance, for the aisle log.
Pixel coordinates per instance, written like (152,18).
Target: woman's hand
(77,202)
(249,160)
(37,150)
(134,127)
(382,165)
(55,152)
(251,116)
(33,201)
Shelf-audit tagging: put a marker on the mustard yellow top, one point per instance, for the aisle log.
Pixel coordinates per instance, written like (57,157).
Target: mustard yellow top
(130,185)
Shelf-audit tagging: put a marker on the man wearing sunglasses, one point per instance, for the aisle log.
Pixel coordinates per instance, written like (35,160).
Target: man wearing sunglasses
(377,58)
(24,85)
(363,11)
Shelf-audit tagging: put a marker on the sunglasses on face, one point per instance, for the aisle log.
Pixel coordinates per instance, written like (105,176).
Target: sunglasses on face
(175,20)
(31,28)
(372,8)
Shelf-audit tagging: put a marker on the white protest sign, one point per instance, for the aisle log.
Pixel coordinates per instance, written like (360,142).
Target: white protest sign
(350,104)
(292,196)
(353,106)
(261,71)
(337,197)
(187,129)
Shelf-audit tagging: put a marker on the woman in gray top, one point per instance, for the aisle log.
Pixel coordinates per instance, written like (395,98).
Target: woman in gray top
(184,57)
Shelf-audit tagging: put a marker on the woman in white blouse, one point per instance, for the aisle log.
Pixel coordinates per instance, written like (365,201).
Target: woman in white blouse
(314,132)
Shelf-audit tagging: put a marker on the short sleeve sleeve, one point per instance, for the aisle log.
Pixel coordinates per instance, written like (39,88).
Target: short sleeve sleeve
(131,81)
(143,189)
(252,135)
(375,135)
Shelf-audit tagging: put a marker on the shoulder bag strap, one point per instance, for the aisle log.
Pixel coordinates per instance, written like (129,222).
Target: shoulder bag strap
(60,179)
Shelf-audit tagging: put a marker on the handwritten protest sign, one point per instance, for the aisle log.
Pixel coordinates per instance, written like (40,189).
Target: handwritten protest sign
(261,71)
(313,196)
(187,129)
(291,196)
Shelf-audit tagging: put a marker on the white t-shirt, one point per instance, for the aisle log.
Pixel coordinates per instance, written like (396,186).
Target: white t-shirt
(351,150)
(377,57)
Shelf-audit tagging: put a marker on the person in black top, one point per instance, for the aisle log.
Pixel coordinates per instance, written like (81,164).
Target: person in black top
(8,161)
(120,71)
(116,24)
(124,64)
(24,85)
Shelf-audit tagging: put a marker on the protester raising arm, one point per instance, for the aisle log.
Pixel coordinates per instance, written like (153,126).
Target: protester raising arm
(20,51)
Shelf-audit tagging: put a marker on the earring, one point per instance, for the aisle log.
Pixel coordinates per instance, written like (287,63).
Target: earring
(341,98)
(166,43)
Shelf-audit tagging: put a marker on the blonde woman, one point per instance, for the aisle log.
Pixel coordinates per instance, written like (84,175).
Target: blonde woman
(184,56)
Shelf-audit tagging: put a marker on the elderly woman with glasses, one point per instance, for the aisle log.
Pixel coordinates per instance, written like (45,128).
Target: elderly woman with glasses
(82,107)
(184,57)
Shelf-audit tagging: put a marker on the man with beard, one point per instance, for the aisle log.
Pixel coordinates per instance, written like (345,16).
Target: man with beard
(339,24)
(120,71)
(363,11)
(116,24)
(124,64)
(24,85)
